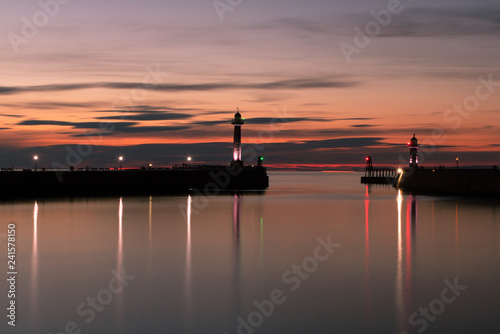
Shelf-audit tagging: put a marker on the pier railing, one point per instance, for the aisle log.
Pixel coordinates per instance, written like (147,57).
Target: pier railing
(380,176)
(381,172)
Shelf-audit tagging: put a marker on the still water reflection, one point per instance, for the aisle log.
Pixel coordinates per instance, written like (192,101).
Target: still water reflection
(202,267)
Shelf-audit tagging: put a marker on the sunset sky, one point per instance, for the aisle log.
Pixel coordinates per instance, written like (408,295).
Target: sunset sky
(83,82)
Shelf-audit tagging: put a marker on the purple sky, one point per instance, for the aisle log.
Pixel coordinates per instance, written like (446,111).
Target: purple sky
(72,78)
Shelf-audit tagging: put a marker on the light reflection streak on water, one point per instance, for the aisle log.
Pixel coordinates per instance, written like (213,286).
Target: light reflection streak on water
(410,224)
(367,251)
(236,219)
(236,233)
(150,240)
(434,221)
(407,248)
(150,215)
(405,262)
(457,255)
(399,270)
(237,252)
(119,261)
(189,297)
(34,261)
(261,251)
(119,264)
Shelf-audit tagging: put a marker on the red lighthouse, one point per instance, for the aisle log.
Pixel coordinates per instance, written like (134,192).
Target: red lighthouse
(413,145)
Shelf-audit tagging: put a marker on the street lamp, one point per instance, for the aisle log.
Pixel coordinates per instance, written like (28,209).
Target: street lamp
(36,160)
(189,159)
(456,160)
(121,161)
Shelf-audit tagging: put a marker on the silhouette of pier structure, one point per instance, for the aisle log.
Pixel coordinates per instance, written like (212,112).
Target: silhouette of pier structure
(378,175)
(204,179)
(439,180)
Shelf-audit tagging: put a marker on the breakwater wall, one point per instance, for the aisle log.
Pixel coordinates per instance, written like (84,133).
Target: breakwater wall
(460,181)
(206,180)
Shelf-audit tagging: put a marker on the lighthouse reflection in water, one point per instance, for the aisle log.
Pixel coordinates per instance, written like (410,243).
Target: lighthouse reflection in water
(191,264)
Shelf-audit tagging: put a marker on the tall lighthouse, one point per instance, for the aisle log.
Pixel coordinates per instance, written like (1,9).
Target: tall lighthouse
(238,121)
(413,145)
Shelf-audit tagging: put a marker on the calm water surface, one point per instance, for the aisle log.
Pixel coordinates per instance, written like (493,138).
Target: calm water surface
(316,253)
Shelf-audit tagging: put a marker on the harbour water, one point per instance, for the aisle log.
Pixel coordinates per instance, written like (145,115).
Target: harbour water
(315,253)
